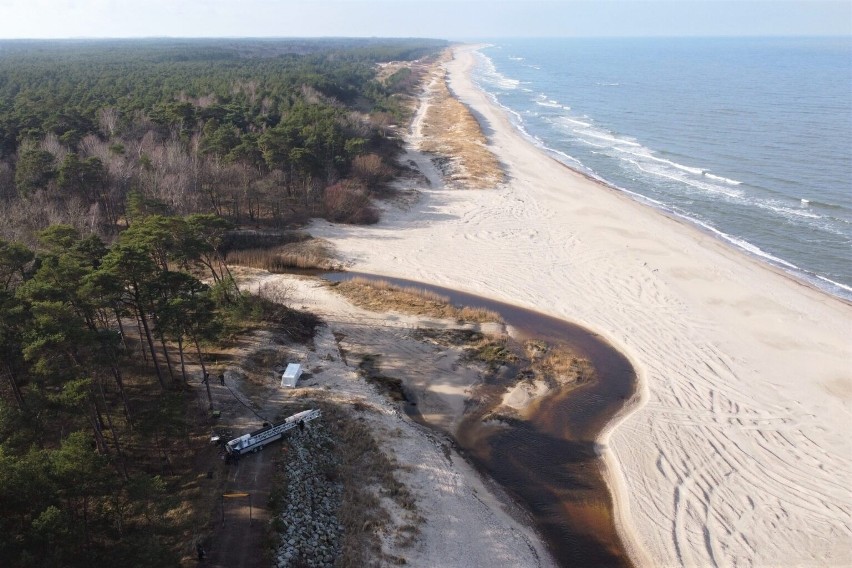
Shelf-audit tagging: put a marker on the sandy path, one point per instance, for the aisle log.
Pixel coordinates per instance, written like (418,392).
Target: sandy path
(739,453)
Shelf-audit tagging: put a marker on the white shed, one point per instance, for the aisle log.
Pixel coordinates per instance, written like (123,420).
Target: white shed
(291,375)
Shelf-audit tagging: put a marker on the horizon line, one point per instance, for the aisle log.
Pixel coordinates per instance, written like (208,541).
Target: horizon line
(466,39)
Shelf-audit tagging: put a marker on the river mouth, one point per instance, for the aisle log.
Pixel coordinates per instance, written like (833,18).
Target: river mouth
(549,462)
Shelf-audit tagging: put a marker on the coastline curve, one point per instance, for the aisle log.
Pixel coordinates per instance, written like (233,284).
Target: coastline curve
(744,372)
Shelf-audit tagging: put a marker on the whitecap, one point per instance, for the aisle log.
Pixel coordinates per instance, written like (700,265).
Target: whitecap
(593,145)
(708,187)
(604,136)
(548,104)
(574,121)
(786,212)
(722,179)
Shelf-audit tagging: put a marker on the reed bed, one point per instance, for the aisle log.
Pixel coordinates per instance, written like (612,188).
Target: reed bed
(382,296)
(304,255)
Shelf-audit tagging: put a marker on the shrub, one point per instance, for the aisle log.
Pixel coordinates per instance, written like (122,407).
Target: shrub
(371,169)
(348,202)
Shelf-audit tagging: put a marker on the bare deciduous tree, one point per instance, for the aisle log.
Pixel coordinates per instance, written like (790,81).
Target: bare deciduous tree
(108,120)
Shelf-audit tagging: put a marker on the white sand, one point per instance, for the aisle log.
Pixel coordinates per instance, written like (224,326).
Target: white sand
(739,451)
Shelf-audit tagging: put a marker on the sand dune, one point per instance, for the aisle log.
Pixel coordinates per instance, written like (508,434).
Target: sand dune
(738,452)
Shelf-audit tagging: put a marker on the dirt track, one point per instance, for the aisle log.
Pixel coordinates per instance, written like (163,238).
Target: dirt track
(245,518)
(239,540)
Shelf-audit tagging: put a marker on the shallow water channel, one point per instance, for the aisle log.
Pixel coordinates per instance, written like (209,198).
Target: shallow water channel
(551,463)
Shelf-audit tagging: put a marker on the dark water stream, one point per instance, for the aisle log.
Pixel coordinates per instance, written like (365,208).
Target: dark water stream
(551,462)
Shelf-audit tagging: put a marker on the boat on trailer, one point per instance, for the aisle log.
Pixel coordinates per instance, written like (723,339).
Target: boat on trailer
(256,440)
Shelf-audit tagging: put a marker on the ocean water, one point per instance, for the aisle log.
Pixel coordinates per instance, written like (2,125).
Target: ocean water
(749,138)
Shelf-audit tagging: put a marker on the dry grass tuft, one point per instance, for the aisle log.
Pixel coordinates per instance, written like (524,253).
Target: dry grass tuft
(451,132)
(557,365)
(494,351)
(382,296)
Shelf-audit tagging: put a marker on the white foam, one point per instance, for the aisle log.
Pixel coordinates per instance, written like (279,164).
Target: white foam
(786,211)
(593,145)
(575,121)
(843,287)
(518,123)
(648,154)
(704,186)
(517,115)
(690,169)
(722,179)
(566,156)
(490,74)
(745,245)
(594,133)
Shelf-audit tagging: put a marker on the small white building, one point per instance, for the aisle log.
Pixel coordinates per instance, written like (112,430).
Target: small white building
(291,375)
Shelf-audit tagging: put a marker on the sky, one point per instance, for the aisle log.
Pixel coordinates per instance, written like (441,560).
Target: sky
(446,19)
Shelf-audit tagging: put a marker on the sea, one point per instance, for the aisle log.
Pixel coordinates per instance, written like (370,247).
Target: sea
(748,138)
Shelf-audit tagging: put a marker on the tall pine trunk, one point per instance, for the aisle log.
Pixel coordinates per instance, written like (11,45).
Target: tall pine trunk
(121,330)
(114,433)
(182,361)
(141,335)
(116,372)
(153,351)
(204,370)
(168,359)
(13,383)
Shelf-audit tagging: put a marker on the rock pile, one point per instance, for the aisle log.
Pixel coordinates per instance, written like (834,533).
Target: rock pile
(310,531)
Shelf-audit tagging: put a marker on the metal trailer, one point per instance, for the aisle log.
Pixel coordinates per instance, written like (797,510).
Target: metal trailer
(256,440)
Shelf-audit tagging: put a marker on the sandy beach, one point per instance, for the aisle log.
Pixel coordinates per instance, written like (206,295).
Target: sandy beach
(736,451)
